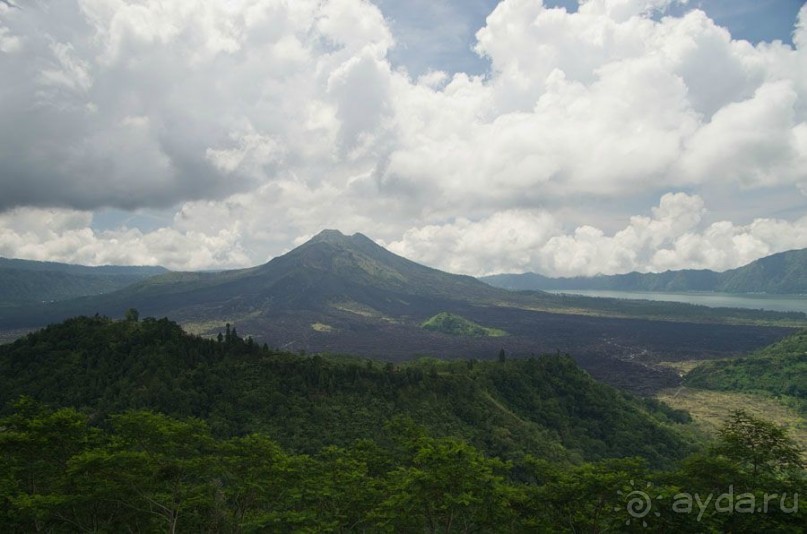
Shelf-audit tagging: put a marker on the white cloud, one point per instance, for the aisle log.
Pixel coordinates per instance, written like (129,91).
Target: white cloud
(756,142)
(211,81)
(261,121)
(674,237)
(8,43)
(505,241)
(64,235)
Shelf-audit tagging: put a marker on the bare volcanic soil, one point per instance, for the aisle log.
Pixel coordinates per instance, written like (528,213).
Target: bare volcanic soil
(621,352)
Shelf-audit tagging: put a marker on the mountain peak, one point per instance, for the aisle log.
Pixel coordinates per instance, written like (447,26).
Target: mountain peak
(335,237)
(328,236)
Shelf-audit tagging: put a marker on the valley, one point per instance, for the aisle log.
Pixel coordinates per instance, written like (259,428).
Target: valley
(710,408)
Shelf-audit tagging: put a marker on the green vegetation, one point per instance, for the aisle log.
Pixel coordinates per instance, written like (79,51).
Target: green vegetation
(455,325)
(134,425)
(710,408)
(141,471)
(543,406)
(25,282)
(779,370)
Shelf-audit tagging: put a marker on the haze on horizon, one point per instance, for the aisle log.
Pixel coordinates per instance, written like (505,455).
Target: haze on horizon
(471,136)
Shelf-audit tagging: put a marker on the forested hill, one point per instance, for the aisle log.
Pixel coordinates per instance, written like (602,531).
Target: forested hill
(545,406)
(25,281)
(289,443)
(779,369)
(783,273)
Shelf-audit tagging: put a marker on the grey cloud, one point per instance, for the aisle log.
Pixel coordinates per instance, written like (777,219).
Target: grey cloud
(120,105)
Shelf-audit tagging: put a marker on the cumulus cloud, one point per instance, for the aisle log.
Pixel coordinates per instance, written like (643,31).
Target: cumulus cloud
(672,237)
(262,121)
(223,235)
(65,235)
(132,104)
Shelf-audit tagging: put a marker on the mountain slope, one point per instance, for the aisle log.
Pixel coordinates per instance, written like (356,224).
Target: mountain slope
(332,276)
(779,370)
(782,273)
(328,269)
(785,272)
(24,281)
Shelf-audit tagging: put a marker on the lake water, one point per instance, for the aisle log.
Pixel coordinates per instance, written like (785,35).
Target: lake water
(786,303)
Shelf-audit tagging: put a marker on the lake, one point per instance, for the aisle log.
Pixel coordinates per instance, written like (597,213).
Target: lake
(785,303)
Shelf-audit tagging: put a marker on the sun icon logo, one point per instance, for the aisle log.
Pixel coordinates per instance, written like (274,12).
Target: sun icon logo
(638,503)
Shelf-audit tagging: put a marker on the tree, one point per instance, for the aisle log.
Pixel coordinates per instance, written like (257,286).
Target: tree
(36,444)
(587,498)
(132,315)
(758,445)
(159,466)
(446,485)
(257,482)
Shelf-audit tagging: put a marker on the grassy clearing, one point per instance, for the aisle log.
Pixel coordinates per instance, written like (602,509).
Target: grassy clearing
(455,325)
(683,366)
(710,409)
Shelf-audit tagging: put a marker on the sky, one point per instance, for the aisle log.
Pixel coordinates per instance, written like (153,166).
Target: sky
(473,136)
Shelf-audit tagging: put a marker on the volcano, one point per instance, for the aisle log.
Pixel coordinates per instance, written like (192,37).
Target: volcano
(346,294)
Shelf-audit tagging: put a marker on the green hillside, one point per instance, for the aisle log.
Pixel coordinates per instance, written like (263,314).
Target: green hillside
(25,282)
(785,272)
(779,370)
(455,325)
(544,406)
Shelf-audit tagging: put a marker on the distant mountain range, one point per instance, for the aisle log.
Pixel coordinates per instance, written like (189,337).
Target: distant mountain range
(346,294)
(25,281)
(783,273)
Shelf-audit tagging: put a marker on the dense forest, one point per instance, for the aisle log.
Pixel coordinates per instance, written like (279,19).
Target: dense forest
(146,472)
(136,426)
(546,406)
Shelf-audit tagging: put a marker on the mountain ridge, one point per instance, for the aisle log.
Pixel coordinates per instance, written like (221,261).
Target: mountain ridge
(29,281)
(780,273)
